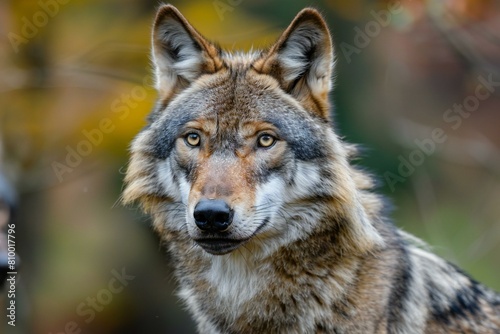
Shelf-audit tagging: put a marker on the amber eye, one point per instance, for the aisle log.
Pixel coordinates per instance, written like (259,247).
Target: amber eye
(266,140)
(192,139)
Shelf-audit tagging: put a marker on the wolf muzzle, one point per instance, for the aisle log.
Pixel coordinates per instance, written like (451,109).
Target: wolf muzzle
(214,217)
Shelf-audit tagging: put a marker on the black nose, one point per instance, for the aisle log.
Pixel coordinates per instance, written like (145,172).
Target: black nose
(213,215)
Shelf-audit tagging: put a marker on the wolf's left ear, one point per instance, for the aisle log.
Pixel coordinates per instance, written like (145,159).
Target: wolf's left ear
(180,53)
(302,61)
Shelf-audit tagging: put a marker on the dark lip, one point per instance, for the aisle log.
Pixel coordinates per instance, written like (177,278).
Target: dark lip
(219,246)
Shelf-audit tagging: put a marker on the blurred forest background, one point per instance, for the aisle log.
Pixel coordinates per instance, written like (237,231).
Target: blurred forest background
(77,79)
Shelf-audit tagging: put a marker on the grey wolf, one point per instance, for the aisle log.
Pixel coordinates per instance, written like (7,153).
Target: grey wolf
(270,227)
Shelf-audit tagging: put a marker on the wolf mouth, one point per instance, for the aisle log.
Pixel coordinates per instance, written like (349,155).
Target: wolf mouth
(219,246)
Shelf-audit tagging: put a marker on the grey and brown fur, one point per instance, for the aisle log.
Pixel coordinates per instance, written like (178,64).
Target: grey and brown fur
(314,252)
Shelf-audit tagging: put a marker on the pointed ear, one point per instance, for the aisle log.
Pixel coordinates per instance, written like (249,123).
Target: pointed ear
(302,61)
(180,53)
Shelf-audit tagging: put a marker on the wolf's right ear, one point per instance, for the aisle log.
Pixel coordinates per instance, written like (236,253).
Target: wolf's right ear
(180,53)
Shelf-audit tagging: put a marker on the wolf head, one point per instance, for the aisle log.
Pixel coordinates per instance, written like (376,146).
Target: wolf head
(240,151)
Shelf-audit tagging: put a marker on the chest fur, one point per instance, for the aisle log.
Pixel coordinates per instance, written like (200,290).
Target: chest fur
(241,294)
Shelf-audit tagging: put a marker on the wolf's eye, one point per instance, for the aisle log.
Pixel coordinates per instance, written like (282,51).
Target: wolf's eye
(266,140)
(192,139)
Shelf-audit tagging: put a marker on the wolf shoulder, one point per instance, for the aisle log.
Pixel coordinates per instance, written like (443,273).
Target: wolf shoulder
(444,297)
